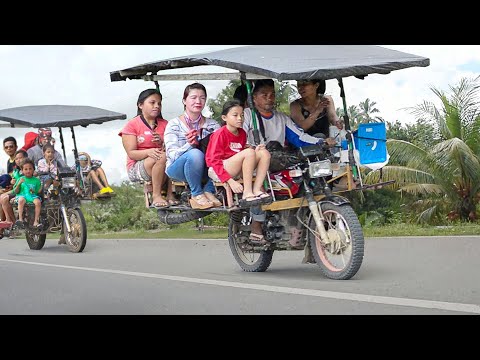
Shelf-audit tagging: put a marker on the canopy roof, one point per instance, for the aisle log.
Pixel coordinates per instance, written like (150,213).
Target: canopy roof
(289,62)
(58,116)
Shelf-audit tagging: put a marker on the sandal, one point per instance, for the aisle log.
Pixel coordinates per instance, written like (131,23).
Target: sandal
(5,224)
(200,202)
(162,204)
(174,202)
(266,198)
(213,199)
(19,224)
(257,239)
(245,202)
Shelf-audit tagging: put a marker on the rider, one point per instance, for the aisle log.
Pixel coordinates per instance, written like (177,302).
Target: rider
(274,126)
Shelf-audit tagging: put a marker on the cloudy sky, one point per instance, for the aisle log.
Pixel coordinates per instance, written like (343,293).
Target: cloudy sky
(80,75)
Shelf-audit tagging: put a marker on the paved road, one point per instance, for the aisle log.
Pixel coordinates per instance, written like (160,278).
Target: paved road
(433,275)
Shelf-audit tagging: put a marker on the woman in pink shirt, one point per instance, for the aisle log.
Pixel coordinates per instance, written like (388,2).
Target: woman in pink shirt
(142,138)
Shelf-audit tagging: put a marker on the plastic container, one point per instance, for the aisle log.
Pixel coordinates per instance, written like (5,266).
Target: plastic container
(371,142)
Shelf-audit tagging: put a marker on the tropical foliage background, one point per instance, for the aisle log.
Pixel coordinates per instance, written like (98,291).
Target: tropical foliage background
(435,163)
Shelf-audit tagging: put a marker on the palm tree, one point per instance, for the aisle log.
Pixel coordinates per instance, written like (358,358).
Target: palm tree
(354,115)
(447,175)
(367,108)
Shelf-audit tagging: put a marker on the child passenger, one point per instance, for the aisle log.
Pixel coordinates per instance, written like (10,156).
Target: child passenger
(228,157)
(47,167)
(27,189)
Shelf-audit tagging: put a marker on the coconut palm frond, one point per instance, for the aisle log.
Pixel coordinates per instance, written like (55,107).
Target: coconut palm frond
(401,174)
(410,155)
(425,110)
(458,159)
(427,215)
(423,189)
(472,136)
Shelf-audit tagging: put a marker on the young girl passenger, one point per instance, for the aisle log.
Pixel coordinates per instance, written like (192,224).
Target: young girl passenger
(228,157)
(47,167)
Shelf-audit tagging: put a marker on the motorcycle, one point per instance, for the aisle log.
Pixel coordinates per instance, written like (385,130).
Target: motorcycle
(60,211)
(307,213)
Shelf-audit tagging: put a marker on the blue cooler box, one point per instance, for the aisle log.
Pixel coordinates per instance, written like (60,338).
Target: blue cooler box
(371,142)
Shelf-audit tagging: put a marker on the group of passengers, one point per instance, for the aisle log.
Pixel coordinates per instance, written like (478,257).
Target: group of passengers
(31,171)
(178,149)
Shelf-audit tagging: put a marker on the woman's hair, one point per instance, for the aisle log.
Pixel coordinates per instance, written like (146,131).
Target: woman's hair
(321,87)
(231,104)
(194,86)
(48,146)
(144,95)
(21,152)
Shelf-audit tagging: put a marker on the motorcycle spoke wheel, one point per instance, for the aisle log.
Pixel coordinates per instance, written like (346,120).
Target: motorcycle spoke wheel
(250,258)
(77,238)
(341,257)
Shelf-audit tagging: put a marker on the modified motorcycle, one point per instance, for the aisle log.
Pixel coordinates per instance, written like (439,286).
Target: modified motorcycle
(305,214)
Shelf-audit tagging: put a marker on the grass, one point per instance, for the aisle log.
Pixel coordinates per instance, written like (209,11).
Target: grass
(215,233)
(417,230)
(178,233)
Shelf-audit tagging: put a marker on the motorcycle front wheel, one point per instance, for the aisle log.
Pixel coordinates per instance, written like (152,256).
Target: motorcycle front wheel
(77,238)
(35,241)
(250,258)
(341,256)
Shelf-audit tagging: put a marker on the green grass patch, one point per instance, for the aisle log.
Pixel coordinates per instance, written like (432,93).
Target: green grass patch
(418,230)
(178,233)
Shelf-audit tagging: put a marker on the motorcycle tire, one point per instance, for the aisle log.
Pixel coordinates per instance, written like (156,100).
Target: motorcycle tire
(342,259)
(35,241)
(250,259)
(175,218)
(77,240)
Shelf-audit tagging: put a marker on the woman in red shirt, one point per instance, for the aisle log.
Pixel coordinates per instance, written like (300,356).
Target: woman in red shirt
(228,157)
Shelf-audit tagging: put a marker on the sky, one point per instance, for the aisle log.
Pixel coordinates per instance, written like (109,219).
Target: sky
(80,75)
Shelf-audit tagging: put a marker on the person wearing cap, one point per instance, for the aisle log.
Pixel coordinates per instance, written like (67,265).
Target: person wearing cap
(92,170)
(30,140)
(36,152)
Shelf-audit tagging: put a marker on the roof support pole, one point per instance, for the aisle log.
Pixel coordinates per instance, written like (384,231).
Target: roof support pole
(351,158)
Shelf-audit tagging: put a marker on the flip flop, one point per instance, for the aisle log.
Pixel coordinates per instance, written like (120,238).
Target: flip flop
(160,205)
(174,202)
(257,239)
(20,224)
(249,203)
(266,198)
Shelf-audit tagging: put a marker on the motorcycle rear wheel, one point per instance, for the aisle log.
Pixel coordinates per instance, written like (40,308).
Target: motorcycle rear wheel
(340,263)
(250,258)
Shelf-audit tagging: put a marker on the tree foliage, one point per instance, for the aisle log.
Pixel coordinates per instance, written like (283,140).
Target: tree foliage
(445,171)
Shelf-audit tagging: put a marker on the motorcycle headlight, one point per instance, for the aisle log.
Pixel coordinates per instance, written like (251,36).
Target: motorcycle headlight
(69,182)
(320,169)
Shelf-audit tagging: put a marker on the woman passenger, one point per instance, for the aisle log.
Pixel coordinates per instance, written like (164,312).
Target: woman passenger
(142,138)
(185,162)
(314,112)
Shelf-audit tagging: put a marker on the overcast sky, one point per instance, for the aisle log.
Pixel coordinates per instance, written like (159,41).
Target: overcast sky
(80,75)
